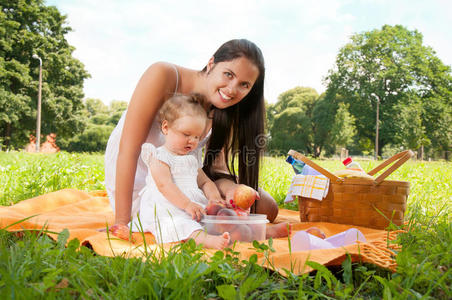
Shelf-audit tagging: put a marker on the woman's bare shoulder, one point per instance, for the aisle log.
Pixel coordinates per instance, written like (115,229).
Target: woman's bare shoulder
(158,80)
(161,68)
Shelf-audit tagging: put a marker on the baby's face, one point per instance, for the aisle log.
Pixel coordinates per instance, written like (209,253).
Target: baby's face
(183,135)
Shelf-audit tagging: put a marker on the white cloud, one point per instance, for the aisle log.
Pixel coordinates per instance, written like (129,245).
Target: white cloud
(118,40)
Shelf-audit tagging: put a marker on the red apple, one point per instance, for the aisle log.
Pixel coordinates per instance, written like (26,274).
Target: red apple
(121,231)
(226,212)
(244,196)
(213,208)
(316,231)
(242,233)
(223,214)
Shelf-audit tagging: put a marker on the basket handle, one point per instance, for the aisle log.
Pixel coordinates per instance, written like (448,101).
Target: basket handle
(315,166)
(401,158)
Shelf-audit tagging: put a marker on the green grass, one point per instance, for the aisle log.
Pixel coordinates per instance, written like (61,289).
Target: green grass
(24,175)
(34,266)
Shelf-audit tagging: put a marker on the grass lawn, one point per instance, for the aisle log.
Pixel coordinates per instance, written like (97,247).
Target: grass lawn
(35,266)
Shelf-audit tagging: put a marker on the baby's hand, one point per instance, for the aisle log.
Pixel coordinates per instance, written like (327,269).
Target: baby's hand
(195,210)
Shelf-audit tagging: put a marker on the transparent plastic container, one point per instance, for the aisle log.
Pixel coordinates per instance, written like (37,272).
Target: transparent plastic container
(241,228)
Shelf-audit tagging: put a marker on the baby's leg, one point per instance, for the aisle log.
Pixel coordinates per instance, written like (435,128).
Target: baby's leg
(211,241)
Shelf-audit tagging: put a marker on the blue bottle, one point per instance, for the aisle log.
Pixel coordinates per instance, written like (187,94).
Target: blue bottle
(300,167)
(296,164)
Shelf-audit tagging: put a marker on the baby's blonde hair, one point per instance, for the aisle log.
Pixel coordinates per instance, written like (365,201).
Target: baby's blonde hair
(181,105)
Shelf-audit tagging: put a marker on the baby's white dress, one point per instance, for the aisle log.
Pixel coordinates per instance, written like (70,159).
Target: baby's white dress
(155,137)
(157,215)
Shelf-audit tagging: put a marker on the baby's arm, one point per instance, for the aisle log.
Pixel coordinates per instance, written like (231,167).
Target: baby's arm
(162,177)
(209,188)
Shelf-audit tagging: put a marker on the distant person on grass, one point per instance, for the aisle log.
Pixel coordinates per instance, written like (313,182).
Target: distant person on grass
(172,202)
(233,84)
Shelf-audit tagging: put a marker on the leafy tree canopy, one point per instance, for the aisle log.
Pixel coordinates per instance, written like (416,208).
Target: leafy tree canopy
(290,120)
(27,28)
(100,120)
(391,65)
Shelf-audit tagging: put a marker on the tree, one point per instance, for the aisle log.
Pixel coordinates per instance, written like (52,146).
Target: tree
(93,139)
(96,111)
(100,121)
(116,110)
(290,121)
(390,65)
(343,129)
(27,28)
(323,117)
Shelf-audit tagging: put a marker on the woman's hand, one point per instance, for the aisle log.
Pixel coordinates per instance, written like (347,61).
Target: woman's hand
(195,210)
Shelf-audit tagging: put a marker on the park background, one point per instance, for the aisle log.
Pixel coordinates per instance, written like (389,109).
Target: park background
(328,64)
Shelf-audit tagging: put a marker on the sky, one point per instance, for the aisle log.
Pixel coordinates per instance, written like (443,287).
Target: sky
(117,40)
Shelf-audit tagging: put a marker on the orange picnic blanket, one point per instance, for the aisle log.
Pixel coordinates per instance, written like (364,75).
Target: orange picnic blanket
(83,214)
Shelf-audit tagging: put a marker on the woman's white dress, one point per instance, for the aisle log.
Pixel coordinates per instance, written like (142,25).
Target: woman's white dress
(154,137)
(164,220)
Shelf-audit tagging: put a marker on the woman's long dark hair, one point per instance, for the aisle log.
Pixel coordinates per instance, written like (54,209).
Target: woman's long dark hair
(239,129)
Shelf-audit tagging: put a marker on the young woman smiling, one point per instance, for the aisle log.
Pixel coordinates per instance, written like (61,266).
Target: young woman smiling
(233,84)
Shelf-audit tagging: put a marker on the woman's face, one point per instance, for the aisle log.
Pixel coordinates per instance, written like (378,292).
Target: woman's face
(228,82)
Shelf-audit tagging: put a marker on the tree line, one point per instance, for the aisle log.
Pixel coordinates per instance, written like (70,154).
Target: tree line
(388,67)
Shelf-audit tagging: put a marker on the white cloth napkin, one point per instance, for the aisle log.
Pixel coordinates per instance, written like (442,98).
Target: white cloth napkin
(303,241)
(309,186)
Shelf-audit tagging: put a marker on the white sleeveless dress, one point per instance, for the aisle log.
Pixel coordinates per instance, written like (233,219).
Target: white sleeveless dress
(154,137)
(157,215)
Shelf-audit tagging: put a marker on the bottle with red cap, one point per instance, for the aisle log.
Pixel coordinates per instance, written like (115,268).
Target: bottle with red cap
(352,165)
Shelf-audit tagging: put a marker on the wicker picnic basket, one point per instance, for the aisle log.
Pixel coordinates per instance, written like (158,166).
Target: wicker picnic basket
(358,201)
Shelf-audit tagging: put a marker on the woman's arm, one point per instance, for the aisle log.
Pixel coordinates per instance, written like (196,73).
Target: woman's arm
(162,177)
(151,91)
(209,188)
(224,185)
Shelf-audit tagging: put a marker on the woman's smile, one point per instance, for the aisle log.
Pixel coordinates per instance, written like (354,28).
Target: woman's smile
(224,97)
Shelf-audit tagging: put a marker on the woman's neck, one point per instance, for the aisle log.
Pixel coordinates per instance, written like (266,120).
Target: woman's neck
(193,81)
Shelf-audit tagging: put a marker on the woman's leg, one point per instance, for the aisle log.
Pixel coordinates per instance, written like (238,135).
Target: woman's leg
(267,205)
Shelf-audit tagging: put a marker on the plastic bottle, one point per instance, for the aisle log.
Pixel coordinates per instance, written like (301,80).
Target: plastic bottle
(296,164)
(352,165)
(307,170)
(300,167)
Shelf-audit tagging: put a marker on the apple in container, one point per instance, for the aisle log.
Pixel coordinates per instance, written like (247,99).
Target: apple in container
(242,233)
(223,214)
(212,208)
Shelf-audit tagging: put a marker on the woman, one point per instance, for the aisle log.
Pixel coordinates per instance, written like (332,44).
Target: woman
(233,84)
